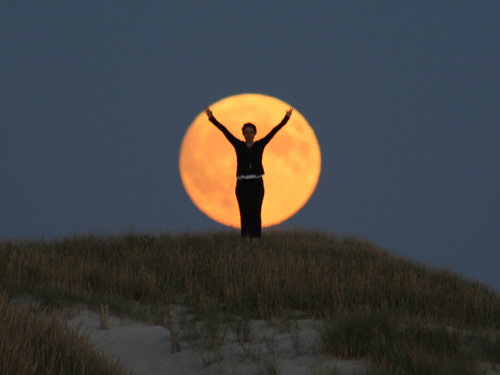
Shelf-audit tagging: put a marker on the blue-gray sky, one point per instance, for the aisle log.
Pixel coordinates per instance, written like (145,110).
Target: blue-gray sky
(403,97)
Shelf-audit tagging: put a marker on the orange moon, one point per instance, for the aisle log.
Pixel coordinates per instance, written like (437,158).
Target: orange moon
(291,160)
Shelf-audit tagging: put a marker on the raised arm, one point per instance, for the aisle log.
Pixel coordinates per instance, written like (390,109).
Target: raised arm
(231,138)
(278,127)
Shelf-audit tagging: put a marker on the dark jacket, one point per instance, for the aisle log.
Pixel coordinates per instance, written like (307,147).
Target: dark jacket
(249,160)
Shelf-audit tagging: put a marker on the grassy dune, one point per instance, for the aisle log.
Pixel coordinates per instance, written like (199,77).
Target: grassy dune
(344,282)
(35,342)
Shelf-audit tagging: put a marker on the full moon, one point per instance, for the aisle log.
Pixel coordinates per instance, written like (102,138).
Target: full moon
(291,160)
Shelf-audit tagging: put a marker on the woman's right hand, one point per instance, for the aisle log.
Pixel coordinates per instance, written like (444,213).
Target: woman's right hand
(209,113)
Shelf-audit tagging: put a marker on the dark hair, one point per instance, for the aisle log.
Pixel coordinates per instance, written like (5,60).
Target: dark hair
(249,125)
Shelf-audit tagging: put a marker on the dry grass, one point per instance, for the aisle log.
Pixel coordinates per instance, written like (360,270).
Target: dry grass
(318,275)
(399,347)
(37,342)
(286,274)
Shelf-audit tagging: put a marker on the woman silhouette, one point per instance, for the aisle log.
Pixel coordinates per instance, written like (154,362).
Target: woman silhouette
(249,172)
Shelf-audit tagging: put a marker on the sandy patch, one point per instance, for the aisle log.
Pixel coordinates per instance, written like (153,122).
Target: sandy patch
(272,349)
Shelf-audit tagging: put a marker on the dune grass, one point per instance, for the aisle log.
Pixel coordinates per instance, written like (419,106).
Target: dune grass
(287,273)
(318,275)
(394,346)
(34,341)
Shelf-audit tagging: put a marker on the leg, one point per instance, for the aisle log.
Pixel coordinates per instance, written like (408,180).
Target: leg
(257,197)
(242,195)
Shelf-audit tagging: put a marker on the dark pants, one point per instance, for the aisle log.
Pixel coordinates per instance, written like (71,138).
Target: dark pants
(250,194)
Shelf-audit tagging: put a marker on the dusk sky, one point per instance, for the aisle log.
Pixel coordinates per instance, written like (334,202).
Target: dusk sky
(404,99)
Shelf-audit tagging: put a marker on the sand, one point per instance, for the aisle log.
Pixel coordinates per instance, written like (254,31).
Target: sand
(274,348)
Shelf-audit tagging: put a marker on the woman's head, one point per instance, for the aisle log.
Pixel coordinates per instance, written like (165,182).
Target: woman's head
(249,125)
(249,130)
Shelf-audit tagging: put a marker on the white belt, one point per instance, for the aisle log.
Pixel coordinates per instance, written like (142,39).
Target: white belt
(249,177)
